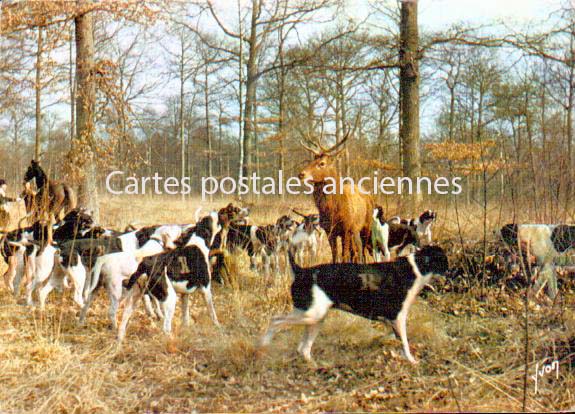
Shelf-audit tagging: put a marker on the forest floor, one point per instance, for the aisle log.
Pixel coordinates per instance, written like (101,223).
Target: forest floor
(471,349)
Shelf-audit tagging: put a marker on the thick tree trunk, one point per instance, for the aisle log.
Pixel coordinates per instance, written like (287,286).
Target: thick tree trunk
(249,136)
(240,102)
(409,93)
(85,105)
(38,90)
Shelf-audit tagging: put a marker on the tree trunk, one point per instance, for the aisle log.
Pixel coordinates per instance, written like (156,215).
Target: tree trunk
(534,177)
(451,111)
(38,90)
(544,154)
(240,102)
(72,93)
(85,105)
(220,138)
(570,132)
(249,109)
(409,93)
(571,99)
(478,185)
(181,120)
(207,115)
(16,143)
(281,108)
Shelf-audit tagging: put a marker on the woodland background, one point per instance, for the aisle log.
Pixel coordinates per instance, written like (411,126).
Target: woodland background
(229,87)
(223,88)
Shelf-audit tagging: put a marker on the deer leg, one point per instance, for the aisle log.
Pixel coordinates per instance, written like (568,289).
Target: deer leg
(346,247)
(332,238)
(357,246)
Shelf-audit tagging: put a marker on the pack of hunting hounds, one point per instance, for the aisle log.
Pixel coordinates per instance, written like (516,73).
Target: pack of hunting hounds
(156,265)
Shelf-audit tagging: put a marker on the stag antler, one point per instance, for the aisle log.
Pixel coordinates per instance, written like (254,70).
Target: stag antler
(315,151)
(349,133)
(310,145)
(318,149)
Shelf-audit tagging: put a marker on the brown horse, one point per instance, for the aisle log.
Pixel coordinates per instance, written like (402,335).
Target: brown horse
(50,198)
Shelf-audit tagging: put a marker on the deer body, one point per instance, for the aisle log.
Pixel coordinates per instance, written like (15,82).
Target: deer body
(344,212)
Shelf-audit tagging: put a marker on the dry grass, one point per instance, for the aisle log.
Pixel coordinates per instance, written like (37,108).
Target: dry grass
(471,351)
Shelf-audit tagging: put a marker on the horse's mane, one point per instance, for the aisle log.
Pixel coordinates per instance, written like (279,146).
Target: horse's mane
(41,177)
(39,174)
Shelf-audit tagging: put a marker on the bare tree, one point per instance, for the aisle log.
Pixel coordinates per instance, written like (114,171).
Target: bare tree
(83,146)
(265,19)
(409,91)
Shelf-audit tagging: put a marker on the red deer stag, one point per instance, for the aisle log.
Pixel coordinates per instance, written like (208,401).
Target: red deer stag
(344,212)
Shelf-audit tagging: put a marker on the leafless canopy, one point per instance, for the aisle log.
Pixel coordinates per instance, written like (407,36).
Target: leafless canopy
(315,146)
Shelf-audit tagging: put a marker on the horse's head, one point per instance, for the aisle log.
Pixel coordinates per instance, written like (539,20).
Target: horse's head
(34,171)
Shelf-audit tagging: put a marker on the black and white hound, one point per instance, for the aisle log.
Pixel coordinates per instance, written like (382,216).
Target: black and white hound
(305,238)
(117,264)
(391,236)
(179,271)
(39,252)
(267,241)
(380,235)
(377,291)
(422,225)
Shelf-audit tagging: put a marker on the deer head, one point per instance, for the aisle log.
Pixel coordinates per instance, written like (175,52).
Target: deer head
(323,164)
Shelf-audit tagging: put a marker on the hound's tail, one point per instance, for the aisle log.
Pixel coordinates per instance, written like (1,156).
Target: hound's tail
(294,266)
(96,273)
(197,214)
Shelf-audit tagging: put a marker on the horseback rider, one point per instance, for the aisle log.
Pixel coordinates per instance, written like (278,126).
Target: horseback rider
(3,198)
(4,216)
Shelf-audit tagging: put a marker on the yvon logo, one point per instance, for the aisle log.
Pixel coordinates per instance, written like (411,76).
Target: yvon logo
(546,369)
